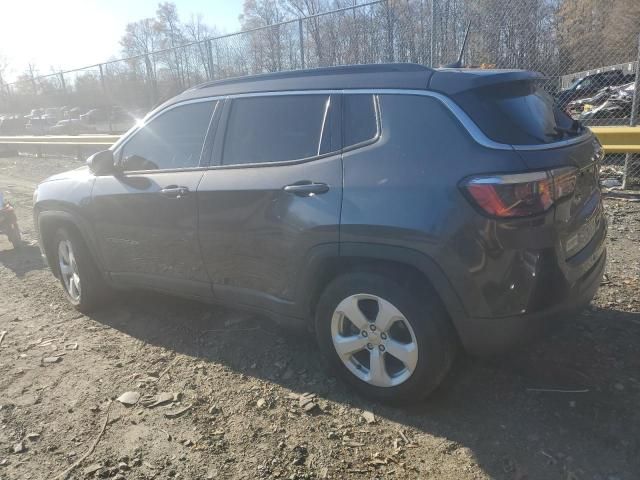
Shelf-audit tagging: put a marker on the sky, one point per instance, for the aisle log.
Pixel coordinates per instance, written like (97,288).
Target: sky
(67,34)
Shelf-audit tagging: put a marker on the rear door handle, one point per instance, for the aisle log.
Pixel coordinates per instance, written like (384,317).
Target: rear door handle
(306,189)
(174,191)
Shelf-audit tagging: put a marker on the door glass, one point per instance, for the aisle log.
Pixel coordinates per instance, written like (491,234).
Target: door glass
(276,129)
(174,139)
(360,122)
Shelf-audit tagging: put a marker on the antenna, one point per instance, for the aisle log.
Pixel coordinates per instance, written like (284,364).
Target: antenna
(458,63)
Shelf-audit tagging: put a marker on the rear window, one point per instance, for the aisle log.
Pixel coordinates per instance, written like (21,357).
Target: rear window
(517,113)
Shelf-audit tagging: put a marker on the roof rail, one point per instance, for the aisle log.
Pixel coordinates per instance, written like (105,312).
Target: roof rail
(338,70)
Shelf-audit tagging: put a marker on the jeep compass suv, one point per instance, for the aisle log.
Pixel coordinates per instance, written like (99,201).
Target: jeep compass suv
(396,210)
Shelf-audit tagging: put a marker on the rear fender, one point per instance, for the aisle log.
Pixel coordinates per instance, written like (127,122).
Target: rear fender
(315,276)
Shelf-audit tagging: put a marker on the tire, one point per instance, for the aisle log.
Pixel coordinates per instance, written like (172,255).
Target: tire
(91,291)
(428,342)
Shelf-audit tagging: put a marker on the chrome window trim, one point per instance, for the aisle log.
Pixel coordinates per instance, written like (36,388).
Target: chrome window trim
(327,106)
(470,126)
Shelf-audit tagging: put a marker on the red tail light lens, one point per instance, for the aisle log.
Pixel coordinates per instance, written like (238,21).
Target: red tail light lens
(521,194)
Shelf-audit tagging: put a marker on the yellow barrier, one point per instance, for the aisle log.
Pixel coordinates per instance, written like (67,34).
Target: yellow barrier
(613,139)
(618,139)
(61,140)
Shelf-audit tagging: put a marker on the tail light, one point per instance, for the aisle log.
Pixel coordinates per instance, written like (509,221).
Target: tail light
(521,194)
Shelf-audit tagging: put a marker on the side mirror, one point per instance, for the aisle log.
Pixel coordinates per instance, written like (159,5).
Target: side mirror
(102,163)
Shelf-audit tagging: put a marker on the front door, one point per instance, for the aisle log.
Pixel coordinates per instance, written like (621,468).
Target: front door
(273,196)
(146,216)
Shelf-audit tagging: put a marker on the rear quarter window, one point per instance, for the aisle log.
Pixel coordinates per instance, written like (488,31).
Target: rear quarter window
(360,122)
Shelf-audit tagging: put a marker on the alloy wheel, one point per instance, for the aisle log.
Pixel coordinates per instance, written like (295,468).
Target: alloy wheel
(374,340)
(69,269)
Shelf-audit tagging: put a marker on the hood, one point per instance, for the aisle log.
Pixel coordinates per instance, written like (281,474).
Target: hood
(79,173)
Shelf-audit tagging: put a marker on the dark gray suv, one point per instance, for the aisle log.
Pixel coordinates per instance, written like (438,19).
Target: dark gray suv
(397,210)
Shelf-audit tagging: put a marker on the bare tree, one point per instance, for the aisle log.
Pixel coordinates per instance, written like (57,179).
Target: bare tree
(198,32)
(140,40)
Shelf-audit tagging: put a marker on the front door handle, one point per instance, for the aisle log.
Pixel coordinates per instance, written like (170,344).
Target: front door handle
(306,189)
(174,191)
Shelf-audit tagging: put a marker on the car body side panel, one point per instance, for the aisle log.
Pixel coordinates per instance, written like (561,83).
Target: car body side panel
(254,235)
(404,191)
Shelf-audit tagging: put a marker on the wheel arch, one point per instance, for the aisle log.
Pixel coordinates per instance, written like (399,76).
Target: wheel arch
(50,221)
(407,265)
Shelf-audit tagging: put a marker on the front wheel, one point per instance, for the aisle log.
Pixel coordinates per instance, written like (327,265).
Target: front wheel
(79,276)
(392,343)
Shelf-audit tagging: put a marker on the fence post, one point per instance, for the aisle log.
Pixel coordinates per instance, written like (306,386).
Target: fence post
(62,83)
(633,121)
(431,33)
(210,58)
(104,91)
(301,34)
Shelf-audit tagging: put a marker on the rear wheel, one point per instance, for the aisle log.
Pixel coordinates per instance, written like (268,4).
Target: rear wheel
(390,342)
(79,276)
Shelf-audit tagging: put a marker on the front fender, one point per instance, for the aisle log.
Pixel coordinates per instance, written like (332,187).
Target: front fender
(49,221)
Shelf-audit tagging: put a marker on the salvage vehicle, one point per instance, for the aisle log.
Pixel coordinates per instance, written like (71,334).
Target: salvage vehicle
(588,85)
(397,211)
(612,103)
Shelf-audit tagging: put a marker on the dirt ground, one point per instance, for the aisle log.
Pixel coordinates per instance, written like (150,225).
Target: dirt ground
(565,408)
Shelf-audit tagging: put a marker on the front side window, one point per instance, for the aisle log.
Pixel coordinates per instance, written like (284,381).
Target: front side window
(276,129)
(173,139)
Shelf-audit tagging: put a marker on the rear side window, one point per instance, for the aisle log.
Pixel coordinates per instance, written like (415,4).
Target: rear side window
(173,139)
(276,129)
(517,113)
(359,119)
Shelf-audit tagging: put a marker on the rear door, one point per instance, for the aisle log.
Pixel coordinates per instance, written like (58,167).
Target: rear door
(272,195)
(146,216)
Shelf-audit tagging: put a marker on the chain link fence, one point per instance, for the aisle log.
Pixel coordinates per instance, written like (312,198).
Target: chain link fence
(590,69)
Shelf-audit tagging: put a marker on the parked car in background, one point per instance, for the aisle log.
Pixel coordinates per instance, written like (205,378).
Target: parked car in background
(395,210)
(52,115)
(589,85)
(611,103)
(38,126)
(35,113)
(12,125)
(71,126)
(75,112)
(94,115)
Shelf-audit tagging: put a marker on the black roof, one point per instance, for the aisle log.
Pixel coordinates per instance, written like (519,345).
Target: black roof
(389,76)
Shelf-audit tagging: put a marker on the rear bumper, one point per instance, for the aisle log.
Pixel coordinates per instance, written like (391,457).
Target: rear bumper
(488,336)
